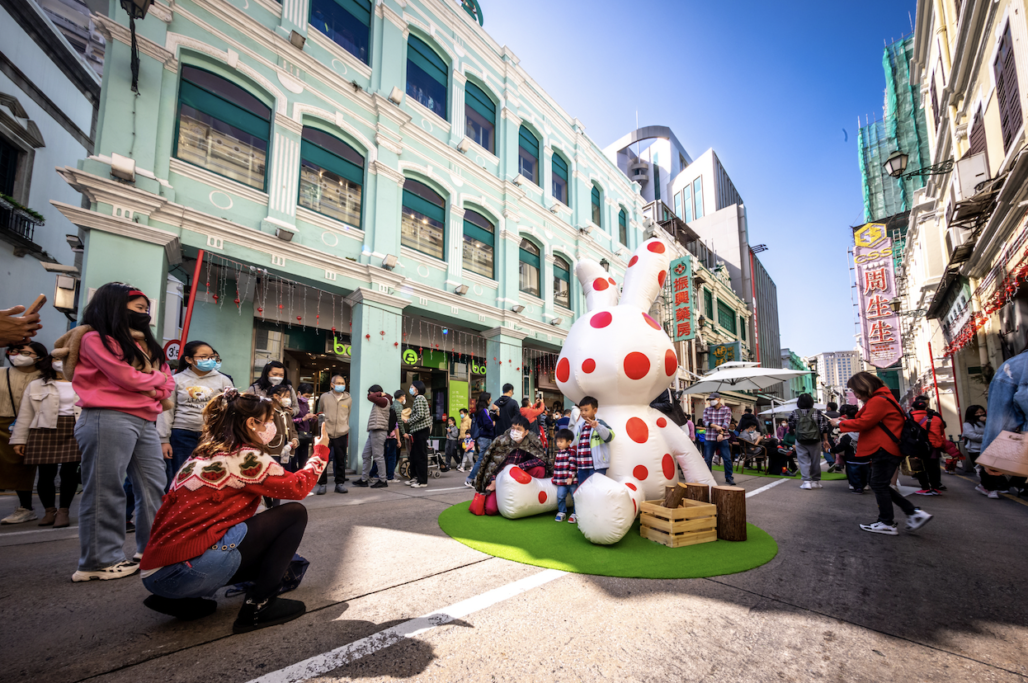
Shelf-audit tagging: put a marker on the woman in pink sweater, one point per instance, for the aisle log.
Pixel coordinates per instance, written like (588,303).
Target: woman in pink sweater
(120,374)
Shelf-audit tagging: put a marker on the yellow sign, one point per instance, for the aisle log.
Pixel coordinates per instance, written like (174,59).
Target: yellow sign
(869,234)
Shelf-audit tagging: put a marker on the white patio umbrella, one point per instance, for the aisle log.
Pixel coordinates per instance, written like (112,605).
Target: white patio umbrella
(788,407)
(745,378)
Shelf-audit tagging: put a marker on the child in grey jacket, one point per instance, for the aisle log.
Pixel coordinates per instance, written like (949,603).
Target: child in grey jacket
(452,436)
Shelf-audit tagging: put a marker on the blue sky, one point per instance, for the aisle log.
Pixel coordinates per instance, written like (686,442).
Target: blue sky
(769,85)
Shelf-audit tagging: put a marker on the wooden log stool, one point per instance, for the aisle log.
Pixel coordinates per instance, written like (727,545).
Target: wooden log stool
(731,512)
(700,492)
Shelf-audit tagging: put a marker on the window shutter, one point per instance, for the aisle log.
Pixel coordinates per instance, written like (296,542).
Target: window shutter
(528,141)
(361,9)
(202,100)
(596,195)
(331,162)
(480,102)
(425,57)
(977,137)
(1007,90)
(935,103)
(560,167)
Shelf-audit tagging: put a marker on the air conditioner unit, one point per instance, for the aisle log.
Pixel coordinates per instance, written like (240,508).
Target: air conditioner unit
(968,173)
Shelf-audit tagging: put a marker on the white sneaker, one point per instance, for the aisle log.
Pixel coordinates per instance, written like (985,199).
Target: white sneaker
(115,571)
(409,482)
(993,495)
(416,485)
(817,484)
(807,485)
(19,516)
(982,490)
(918,520)
(880,528)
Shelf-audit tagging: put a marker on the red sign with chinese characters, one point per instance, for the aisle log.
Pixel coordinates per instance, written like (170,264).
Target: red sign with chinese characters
(681,288)
(876,285)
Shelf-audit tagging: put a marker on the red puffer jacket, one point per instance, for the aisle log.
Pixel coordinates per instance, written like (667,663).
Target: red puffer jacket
(936,430)
(880,408)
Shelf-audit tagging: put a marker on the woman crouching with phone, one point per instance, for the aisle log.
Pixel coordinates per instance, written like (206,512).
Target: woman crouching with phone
(206,534)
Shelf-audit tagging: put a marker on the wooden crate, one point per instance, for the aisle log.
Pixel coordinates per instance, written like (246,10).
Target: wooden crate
(691,523)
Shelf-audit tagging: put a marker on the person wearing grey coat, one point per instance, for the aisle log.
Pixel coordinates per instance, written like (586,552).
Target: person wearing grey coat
(374,447)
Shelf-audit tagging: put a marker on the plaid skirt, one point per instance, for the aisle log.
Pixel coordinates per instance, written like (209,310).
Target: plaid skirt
(53,446)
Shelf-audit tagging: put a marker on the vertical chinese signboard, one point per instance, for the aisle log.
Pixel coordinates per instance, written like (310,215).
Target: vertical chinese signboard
(681,287)
(876,283)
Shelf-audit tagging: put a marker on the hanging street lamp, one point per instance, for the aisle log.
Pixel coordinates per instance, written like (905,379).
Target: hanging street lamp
(896,165)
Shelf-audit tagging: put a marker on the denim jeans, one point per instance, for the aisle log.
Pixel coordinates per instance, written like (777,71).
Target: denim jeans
(725,451)
(114,444)
(183,443)
(392,452)
(883,466)
(202,576)
(586,472)
(563,492)
(483,443)
(374,450)
(857,474)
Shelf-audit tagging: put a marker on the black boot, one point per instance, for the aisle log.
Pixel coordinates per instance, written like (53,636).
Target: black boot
(273,611)
(186,609)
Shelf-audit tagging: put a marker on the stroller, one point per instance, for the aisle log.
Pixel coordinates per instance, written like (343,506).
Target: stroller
(435,461)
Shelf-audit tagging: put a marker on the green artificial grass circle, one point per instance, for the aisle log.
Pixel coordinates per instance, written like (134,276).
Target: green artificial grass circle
(825,476)
(542,542)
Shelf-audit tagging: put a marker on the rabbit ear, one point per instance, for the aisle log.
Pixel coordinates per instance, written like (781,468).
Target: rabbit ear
(599,287)
(646,273)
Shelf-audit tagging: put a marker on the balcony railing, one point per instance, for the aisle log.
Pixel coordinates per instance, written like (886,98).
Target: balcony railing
(18,227)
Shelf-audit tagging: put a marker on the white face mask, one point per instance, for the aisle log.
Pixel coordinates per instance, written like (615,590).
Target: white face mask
(20,361)
(517,435)
(58,366)
(286,402)
(276,380)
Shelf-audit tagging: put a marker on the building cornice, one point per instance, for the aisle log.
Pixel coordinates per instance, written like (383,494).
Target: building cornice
(91,220)
(112,30)
(364,294)
(504,332)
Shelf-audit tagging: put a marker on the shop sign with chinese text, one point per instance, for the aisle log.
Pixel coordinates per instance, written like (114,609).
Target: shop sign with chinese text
(682,309)
(876,284)
(719,354)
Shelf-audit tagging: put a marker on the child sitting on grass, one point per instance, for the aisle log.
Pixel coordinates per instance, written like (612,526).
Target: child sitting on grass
(564,472)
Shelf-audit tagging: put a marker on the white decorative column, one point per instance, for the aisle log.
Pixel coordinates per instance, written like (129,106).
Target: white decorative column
(455,247)
(458,119)
(284,175)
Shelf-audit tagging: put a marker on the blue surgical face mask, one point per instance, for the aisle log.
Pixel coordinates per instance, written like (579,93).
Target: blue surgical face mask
(206,365)
(339,387)
(412,391)
(217,365)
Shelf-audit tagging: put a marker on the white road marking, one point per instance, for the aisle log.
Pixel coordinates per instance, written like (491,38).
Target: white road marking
(323,663)
(765,488)
(5,534)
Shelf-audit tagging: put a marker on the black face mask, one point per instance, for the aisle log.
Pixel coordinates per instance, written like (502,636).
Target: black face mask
(138,321)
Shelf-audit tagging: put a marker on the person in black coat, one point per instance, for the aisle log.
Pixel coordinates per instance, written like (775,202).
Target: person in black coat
(748,419)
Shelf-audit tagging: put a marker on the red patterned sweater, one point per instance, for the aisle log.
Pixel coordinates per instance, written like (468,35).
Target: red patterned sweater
(211,495)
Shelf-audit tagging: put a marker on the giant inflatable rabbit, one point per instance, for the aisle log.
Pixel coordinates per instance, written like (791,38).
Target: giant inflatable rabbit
(618,354)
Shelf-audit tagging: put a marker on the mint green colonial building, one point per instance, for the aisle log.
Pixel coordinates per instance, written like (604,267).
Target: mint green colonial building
(389,161)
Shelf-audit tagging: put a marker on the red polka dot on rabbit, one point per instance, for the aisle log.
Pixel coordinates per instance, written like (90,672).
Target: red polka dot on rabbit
(599,284)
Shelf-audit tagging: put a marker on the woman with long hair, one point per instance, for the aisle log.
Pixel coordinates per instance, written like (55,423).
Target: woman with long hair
(880,424)
(123,381)
(207,535)
(196,382)
(26,361)
(274,374)
(974,431)
(44,436)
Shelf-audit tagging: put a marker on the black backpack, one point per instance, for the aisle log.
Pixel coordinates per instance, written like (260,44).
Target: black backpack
(392,420)
(913,440)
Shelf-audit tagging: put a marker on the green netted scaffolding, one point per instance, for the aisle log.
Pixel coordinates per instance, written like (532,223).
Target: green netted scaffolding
(903,127)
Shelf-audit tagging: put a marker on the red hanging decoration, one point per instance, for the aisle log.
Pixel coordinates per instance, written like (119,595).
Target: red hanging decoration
(215,296)
(235,301)
(333,330)
(368,337)
(299,318)
(396,344)
(260,310)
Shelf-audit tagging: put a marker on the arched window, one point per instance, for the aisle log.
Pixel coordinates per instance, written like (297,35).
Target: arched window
(426,75)
(479,240)
(480,112)
(331,176)
(422,221)
(528,268)
(623,227)
(560,179)
(346,22)
(528,155)
(597,203)
(222,128)
(561,282)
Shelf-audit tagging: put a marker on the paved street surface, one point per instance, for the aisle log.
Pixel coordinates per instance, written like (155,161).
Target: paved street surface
(838,604)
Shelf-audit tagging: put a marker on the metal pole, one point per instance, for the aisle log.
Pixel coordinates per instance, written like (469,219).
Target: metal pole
(935,380)
(956,389)
(192,299)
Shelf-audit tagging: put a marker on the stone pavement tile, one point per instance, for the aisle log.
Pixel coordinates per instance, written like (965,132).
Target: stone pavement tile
(353,550)
(244,657)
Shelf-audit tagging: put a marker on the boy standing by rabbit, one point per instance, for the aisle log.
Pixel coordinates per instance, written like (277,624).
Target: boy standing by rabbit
(564,472)
(592,439)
